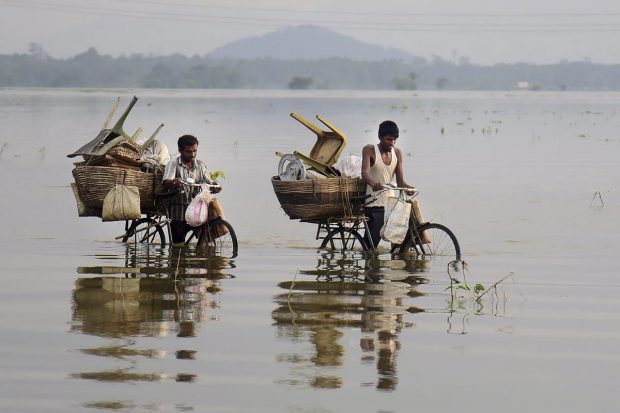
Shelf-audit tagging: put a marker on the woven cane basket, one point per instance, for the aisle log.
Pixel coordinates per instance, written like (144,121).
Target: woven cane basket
(318,199)
(124,154)
(94,183)
(126,151)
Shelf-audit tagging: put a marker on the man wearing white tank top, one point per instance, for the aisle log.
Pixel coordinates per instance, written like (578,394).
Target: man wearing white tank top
(380,170)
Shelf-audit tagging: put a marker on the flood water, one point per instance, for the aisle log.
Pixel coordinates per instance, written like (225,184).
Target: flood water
(529,183)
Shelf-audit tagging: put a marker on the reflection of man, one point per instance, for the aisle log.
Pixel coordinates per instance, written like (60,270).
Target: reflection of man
(184,167)
(378,170)
(383,314)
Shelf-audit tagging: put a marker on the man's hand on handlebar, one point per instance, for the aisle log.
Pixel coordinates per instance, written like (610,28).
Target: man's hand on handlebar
(377,186)
(178,183)
(408,190)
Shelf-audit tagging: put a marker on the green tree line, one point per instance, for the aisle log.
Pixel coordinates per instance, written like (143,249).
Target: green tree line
(91,69)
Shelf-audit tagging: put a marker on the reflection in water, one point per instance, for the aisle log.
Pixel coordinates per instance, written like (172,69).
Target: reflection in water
(365,266)
(156,293)
(121,307)
(348,291)
(123,352)
(122,405)
(119,376)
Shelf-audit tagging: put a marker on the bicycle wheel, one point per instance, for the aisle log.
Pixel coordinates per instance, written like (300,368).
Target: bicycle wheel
(438,241)
(344,239)
(145,231)
(219,236)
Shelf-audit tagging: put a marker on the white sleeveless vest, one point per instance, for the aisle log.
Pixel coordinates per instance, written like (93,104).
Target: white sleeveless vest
(383,174)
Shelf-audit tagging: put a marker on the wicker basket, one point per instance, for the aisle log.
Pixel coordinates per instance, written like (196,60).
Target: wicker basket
(124,154)
(319,199)
(127,151)
(107,160)
(94,183)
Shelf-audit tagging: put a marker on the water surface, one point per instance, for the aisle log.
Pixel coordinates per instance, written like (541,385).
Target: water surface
(527,181)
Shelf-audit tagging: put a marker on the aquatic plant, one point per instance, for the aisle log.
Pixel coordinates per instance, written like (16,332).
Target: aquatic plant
(478,296)
(597,195)
(478,290)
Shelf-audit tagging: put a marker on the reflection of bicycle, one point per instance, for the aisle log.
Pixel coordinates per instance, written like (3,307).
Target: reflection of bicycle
(426,239)
(216,234)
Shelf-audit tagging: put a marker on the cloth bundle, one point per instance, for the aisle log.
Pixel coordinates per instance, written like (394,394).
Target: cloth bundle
(122,203)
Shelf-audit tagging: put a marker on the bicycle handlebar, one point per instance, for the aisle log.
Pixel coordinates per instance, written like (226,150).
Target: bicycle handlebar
(201,185)
(398,188)
(412,192)
(388,187)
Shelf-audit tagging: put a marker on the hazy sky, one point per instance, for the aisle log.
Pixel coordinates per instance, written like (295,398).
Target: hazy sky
(486,31)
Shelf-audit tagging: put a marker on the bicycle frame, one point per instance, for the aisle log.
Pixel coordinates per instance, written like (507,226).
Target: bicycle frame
(343,230)
(415,235)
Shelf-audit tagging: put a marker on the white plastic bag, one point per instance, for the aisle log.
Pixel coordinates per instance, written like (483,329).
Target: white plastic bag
(350,166)
(197,211)
(396,221)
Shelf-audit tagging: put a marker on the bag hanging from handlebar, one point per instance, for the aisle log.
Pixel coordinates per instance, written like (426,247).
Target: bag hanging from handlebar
(396,220)
(418,219)
(197,211)
(217,230)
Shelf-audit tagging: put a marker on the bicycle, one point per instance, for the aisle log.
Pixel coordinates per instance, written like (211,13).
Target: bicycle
(425,239)
(216,234)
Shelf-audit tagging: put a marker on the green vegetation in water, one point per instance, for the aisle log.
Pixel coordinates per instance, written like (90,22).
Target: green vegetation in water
(483,300)
(477,291)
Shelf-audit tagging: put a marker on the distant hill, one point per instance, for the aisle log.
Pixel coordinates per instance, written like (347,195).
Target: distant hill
(306,42)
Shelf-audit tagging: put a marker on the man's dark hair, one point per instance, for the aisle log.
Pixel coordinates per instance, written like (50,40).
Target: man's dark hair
(388,127)
(186,140)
